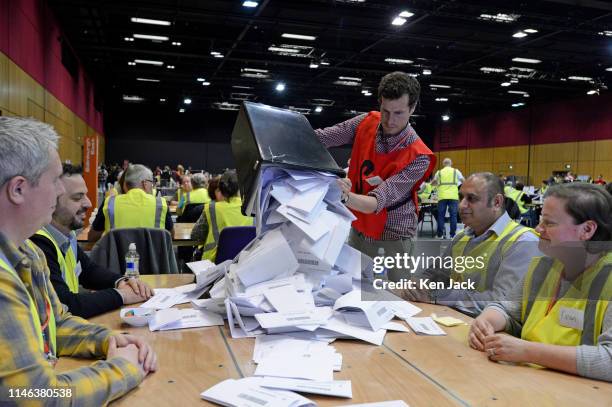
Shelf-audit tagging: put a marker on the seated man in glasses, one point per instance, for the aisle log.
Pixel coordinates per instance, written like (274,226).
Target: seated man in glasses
(137,208)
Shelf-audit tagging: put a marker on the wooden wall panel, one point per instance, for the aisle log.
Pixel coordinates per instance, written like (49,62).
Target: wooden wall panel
(21,95)
(603,151)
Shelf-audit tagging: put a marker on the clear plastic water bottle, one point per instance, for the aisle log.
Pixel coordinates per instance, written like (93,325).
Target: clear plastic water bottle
(131,262)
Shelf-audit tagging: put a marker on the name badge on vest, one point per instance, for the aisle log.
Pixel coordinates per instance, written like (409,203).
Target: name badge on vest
(571,318)
(373,181)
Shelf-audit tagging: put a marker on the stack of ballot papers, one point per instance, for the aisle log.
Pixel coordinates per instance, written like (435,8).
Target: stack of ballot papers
(173,318)
(168,297)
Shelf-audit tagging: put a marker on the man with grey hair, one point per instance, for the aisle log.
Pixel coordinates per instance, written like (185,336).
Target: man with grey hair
(34,327)
(498,245)
(137,208)
(447,180)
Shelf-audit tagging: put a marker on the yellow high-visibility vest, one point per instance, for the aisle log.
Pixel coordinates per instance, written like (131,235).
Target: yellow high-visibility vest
(67,263)
(491,252)
(220,215)
(516,196)
(447,184)
(33,310)
(134,209)
(587,297)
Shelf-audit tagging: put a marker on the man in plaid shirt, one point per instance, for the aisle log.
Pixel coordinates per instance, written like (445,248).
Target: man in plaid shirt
(388,164)
(35,328)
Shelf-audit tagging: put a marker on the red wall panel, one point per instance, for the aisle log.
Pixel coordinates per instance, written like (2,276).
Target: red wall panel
(30,37)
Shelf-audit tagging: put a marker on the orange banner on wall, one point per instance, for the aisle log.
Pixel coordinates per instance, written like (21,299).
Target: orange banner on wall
(90,169)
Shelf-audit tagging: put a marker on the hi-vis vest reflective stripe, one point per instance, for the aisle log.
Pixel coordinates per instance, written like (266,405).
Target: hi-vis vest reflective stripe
(220,215)
(589,294)
(197,196)
(67,263)
(516,196)
(492,251)
(427,190)
(134,209)
(447,184)
(36,321)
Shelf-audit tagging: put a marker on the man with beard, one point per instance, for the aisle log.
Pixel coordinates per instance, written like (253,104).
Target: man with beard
(501,249)
(69,265)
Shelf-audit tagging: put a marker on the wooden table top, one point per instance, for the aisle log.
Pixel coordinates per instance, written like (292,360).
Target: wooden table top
(421,370)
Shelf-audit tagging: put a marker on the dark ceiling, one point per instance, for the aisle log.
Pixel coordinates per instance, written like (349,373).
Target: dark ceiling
(453,40)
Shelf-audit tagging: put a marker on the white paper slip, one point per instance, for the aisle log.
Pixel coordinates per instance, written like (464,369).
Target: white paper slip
(425,326)
(337,324)
(247,393)
(192,318)
(269,346)
(403,309)
(164,298)
(310,366)
(341,283)
(216,305)
(308,200)
(164,317)
(392,403)
(317,316)
(287,299)
(206,271)
(337,388)
(375,313)
(395,326)
(247,326)
(349,262)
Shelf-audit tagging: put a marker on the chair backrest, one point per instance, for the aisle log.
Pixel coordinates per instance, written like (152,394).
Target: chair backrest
(512,208)
(153,245)
(232,240)
(191,213)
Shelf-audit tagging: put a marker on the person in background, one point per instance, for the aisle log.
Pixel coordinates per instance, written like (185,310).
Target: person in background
(102,177)
(181,194)
(198,194)
(70,266)
(389,161)
(35,329)
(224,211)
(559,316)
(137,207)
(600,180)
(447,181)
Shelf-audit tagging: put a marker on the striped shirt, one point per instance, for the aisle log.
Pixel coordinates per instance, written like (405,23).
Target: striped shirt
(402,221)
(24,365)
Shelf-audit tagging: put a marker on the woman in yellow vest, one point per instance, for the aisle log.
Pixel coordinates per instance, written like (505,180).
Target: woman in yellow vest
(560,310)
(224,211)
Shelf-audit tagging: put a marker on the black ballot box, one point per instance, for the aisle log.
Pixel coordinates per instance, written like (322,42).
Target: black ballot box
(265,135)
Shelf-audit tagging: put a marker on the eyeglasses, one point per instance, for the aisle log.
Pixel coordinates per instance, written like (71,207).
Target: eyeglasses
(152,181)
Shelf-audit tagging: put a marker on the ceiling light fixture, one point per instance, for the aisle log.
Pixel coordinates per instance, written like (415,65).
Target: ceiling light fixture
(313,65)
(593,92)
(176,43)
(441,99)
(504,84)
(170,66)
(488,69)
(299,37)
(519,104)
(398,21)
(318,109)
(280,87)
(181,110)
(433,85)
(150,21)
(150,37)
(162,99)
(147,80)
(398,61)
(349,78)
(205,83)
(530,30)
(520,34)
(445,117)
(187,101)
(406,14)
(131,63)
(250,4)
(254,70)
(148,62)
(129,98)
(500,17)
(426,72)
(284,50)
(218,56)
(580,78)
(526,60)
(129,39)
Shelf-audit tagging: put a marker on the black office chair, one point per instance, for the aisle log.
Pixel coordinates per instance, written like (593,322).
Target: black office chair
(191,213)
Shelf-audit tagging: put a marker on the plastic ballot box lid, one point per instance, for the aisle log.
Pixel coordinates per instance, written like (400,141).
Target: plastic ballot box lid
(267,135)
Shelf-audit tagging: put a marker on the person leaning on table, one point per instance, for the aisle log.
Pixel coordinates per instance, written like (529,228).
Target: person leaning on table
(35,329)
(561,310)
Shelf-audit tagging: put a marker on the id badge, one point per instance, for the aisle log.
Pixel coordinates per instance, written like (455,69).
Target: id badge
(571,318)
